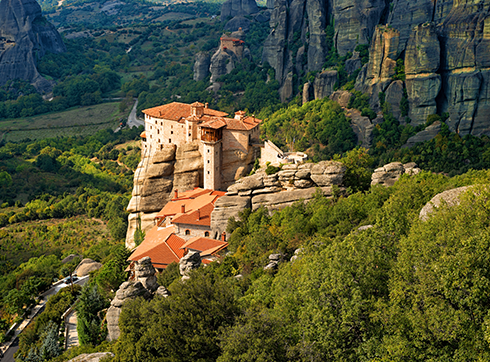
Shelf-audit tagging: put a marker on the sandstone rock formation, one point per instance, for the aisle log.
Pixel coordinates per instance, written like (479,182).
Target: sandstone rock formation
(201,66)
(190,261)
(390,173)
(25,36)
(155,180)
(445,48)
(232,8)
(144,285)
(86,266)
(277,191)
(448,197)
(425,135)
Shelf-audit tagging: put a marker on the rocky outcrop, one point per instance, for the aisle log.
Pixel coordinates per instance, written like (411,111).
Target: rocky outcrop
(25,36)
(341,97)
(144,285)
(377,74)
(425,135)
(390,173)
(189,262)
(277,191)
(393,97)
(155,180)
(232,8)
(421,64)
(201,66)
(274,260)
(324,83)
(86,266)
(362,127)
(448,198)
(223,62)
(355,21)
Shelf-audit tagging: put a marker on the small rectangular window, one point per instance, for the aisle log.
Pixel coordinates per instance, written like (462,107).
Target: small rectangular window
(169,140)
(208,161)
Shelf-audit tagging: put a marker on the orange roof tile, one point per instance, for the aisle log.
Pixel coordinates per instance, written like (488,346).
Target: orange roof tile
(206,246)
(143,134)
(200,216)
(175,111)
(193,200)
(214,123)
(161,245)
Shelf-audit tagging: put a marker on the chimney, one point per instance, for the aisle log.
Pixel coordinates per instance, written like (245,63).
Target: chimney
(176,194)
(182,208)
(198,214)
(206,105)
(223,237)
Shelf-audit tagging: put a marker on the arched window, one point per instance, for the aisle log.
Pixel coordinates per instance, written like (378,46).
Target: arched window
(206,233)
(187,232)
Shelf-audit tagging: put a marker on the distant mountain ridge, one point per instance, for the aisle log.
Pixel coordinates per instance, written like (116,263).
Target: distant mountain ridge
(25,36)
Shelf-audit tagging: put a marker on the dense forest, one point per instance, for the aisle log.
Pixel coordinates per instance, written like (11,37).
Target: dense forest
(362,278)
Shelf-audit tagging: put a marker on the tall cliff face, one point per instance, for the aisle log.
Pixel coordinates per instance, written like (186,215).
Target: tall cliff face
(25,36)
(445,49)
(298,42)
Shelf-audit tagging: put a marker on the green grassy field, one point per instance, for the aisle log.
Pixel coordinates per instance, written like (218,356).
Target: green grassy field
(74,122)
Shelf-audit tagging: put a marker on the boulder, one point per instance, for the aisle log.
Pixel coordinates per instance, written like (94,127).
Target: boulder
(388,174)
(86,266)
(449,198)
(222,62)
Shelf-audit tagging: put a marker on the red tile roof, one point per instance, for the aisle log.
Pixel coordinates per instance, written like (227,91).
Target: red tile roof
(176,111)
(206,246)
(199,216)
(161,245)
(215,123)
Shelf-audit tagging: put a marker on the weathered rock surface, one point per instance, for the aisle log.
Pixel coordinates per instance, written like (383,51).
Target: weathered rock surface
(421,63)
(201,66)
(86,266)
(393,96)
(390,173)
(355,21)
(232,8)
(342,97)
(190,261)
(144,285)
(145,273)
(425,135)
(155,180)
(324,83)
(362,127)
(448,197)
(223,62)
(25,36)
(276,191)
(92,357)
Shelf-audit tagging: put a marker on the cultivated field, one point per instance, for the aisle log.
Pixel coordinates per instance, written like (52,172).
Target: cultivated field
(81,121)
